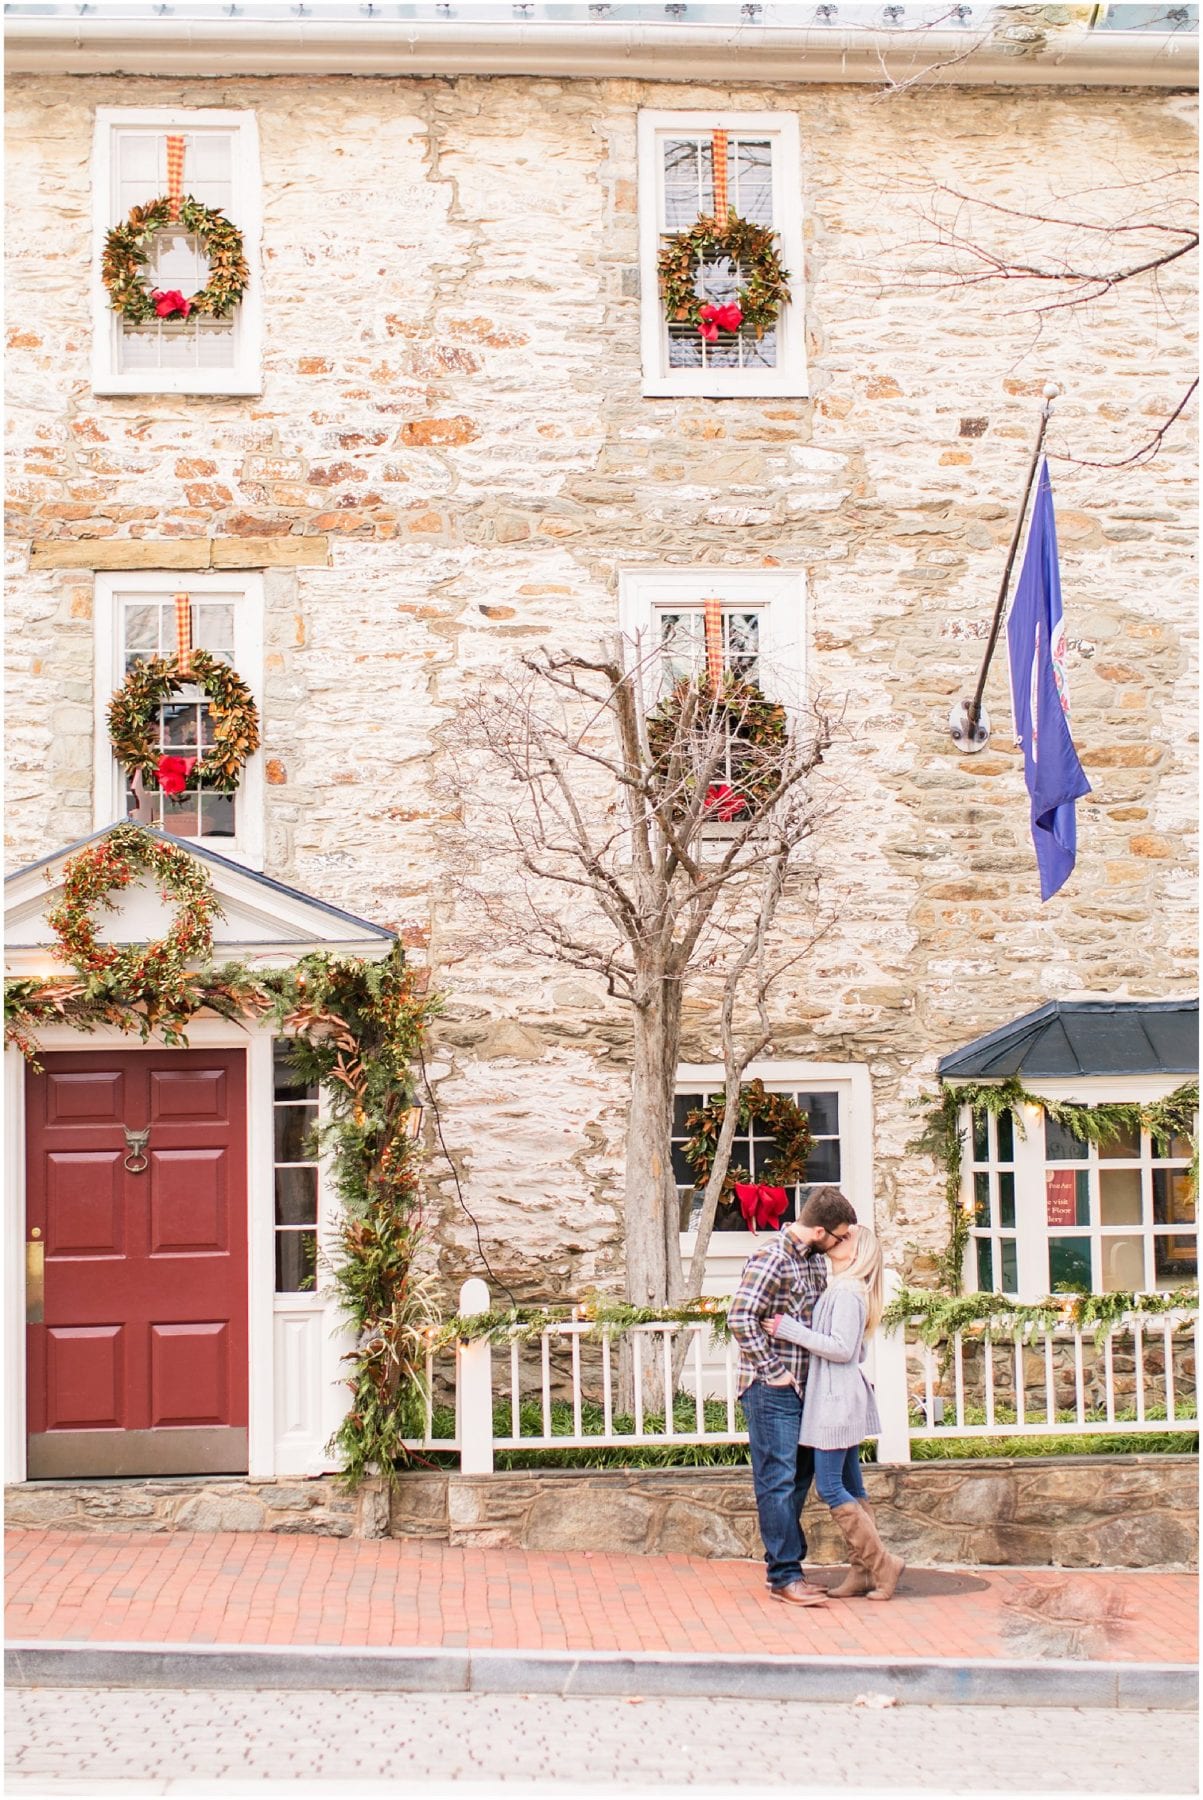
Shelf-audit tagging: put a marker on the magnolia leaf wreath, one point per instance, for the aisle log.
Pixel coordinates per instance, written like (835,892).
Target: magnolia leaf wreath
(755,735)
(763,1203)
(133,723)
(155,973)
(127,251)
(752,248)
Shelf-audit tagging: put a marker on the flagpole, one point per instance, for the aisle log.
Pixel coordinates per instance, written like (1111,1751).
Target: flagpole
(969,730)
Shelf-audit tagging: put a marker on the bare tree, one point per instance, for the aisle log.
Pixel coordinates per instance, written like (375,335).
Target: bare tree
(651,845)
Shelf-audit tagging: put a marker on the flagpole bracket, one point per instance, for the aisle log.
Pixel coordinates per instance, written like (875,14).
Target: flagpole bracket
(969,742)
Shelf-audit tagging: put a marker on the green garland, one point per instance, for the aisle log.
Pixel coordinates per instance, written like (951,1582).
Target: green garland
(597,1312)
(777,1112)
(942,1316)
(126,253)
(752,248)
(753,726)
(356,1028)
(942,1138)
(134,711)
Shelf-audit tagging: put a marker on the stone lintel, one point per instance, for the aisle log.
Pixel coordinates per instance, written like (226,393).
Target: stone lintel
(181,553)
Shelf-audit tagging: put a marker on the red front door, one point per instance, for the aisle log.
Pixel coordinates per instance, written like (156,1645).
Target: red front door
(139,1363)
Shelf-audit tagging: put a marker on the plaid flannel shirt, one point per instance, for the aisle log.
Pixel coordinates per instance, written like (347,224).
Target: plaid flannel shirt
(781,1278)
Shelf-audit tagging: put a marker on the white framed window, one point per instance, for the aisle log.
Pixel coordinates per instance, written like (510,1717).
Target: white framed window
(1051,1211)
(761,620)
(297,1173)
(198,355)
(135,619)
(837,1099)
(676,186)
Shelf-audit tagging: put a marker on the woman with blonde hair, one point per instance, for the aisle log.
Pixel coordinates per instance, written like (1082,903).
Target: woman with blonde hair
(839,1408)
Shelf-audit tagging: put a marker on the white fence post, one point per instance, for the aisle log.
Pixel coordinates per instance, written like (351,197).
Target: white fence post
(889,1380)
(474,1387)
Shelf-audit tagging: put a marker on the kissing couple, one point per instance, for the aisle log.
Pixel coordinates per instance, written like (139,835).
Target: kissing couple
(806,1305)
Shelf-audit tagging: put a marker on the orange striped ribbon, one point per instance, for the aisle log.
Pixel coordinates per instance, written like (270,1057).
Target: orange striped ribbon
(183,631)
(718,169)
(175,174)
(712,612)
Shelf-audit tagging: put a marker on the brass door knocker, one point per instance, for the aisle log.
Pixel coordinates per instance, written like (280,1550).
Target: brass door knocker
(135,1143)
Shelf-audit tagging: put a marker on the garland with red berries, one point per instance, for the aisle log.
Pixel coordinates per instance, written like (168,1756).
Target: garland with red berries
(127,251)
(753,251)
(134,711)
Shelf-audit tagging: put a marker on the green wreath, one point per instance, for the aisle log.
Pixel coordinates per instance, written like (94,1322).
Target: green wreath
(752,248)
(155,972)
(133,713)
(777,1112)
(755,729)
(126,252)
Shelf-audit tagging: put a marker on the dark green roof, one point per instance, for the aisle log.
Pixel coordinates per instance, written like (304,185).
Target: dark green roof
(1085,1037)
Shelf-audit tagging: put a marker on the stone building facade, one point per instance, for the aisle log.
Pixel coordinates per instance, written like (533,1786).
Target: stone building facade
(449,459)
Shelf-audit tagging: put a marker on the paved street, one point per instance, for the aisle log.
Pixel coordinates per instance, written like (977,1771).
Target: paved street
(91,1742)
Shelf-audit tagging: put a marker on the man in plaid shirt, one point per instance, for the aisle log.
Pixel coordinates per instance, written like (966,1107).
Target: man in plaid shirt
(787,1276)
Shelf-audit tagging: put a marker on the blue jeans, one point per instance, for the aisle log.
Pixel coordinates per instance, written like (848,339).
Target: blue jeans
(837,1476)
(782,1471)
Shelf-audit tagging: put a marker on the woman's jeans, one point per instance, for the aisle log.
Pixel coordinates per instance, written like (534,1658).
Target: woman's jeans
(837,1476)
(782,1471)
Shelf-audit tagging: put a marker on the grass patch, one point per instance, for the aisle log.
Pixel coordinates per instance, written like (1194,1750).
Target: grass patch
(708,1456)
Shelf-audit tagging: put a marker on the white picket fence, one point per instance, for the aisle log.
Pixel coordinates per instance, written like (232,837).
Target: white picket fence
(1064,1381)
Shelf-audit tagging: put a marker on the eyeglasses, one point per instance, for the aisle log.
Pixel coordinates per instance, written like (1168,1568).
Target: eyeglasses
(839,1237)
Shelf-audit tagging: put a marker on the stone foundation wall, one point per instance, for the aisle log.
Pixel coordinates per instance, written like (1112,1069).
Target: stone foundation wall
(1069,1512)
(321,1507)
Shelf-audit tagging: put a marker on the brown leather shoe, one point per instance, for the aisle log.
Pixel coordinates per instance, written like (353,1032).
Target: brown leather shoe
(799,1594)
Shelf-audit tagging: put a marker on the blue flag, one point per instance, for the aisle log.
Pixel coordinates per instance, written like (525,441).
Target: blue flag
(1040,699)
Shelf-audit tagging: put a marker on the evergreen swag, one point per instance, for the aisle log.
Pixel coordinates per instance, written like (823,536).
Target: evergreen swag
(134,712)
(752,248)
(941,1138)
(126,253)
(356,1027)
(941,1316)
(755,729)
(778,1114)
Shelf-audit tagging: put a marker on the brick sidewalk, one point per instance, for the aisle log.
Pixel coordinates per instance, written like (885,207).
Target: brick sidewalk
(255,1588)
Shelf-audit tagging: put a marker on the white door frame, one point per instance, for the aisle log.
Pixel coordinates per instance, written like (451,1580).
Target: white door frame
(203,1034)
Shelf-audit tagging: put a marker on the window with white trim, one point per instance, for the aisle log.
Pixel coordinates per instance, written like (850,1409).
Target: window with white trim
(758,154)
(672,618)
(296,1179)
(199,354)
(135,619)
(753,1152)
(1052,1212)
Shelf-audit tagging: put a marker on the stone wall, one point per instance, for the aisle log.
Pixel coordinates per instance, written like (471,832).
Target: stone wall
(319,1507)
(1065,1511)
(451,426)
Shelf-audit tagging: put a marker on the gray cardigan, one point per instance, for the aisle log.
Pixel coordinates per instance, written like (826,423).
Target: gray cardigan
(839,1407)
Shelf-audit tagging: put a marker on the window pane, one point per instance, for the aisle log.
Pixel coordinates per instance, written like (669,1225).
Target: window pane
(213,627)
(296,1262)
(178,726)
(287,1082)
(1067,1196)
(1123,1264)
(1005,1125)
(1125,1143)
(1119,1197)
(683,1105)
(1175,1260)
(1006,1201)
(981,1141)
(985,1266)
(981,1198)
(683,1174)
(1173,1201)
(823,1163)
(293,1125)
(217,815)
(684,348)
(1069,1263)
(1060,1145)
(751,179)
(1178,1147)
(180,817)
(296,1196)
(1009,1278)
(690,1203)
(142,630)
(822,1113)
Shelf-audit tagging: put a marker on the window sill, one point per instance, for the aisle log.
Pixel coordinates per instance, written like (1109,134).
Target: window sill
(218,382)
(727,385)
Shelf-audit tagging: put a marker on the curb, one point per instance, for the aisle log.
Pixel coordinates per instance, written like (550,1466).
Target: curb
(917,1680)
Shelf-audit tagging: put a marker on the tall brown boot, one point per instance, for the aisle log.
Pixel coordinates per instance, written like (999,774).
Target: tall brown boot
(860,1533)
(858,1580)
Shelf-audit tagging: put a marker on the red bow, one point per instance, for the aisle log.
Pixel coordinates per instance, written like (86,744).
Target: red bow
(725,802)
(172,773)
(762,1207)
(171,301)
(720,318)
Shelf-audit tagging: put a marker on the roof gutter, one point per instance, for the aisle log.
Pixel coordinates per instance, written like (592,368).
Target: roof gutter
(1003,55)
